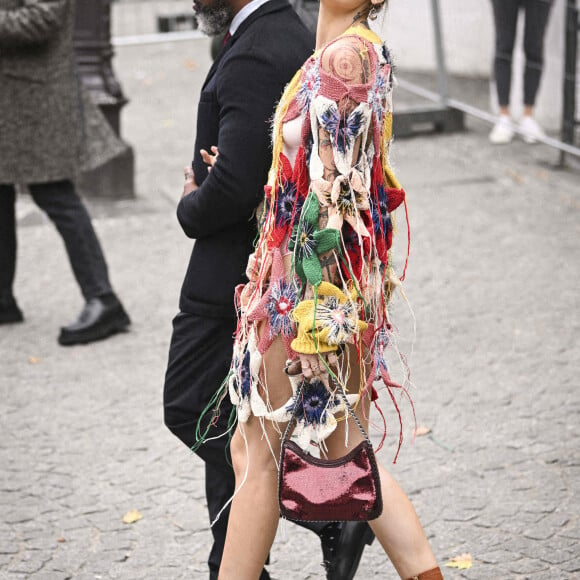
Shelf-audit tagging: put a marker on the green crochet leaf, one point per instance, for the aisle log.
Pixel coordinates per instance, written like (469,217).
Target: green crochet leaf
(312,270)
(300,271)
(319,241)
(310,210)
(326,240)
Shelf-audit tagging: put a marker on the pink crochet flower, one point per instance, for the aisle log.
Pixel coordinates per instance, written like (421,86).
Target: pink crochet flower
(275,308)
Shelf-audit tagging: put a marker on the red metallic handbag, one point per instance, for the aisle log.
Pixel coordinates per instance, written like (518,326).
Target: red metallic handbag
(329,490)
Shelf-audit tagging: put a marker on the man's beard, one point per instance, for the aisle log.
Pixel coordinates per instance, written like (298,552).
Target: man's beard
(215,18)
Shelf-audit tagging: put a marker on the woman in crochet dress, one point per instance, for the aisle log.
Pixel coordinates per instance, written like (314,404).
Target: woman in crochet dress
(315,309)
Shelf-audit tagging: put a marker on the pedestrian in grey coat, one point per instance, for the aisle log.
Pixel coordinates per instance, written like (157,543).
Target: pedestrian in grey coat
(49,132)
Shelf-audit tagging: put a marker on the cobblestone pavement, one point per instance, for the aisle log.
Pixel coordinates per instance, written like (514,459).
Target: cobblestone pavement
(493,280)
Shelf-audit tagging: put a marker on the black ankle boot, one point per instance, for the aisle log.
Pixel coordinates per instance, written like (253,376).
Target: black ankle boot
(342,546)
(9,311)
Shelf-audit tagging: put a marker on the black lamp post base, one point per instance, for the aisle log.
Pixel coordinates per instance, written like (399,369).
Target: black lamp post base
(115,179)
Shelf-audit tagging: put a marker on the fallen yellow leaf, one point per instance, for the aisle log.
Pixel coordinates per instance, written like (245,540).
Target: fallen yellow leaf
(61,540)
(517,177)
(422,430)
(190,64)
(462,562)
(33,360)
(132,516)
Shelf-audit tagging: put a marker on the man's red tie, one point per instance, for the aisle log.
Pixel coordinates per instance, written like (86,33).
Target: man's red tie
(226,38)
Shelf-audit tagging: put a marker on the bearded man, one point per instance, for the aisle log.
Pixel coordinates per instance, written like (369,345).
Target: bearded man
(265,45)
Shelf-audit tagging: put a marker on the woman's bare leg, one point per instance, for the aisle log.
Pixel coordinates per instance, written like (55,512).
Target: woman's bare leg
(400,532)
(255,513)
(398,528)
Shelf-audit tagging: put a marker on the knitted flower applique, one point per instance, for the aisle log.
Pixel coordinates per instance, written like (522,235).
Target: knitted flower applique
(309,86)
(346,197)
(275,308)
(378,92)
(380,211)
(288,205)
(312,406)
(240,384)
(343,128)
(307,242)
(315,412)
(327,322)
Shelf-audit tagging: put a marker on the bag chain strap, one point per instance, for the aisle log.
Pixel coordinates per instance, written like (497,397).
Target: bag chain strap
(346,402)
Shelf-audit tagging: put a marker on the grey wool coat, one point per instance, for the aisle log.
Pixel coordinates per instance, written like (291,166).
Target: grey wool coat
(49,128)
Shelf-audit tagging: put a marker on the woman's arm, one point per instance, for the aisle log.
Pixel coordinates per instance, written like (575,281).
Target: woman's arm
(341,128)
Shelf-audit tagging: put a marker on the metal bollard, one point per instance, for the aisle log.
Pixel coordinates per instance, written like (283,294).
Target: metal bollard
(569,121)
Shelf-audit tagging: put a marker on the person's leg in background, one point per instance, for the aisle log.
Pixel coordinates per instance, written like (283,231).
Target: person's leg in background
(103,314)
(505,16)
(9,311)
(536,21)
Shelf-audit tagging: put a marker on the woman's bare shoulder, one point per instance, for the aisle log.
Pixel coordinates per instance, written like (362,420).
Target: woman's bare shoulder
(347,58)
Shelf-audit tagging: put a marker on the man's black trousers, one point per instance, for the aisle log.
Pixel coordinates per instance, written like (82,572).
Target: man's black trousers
(66,210)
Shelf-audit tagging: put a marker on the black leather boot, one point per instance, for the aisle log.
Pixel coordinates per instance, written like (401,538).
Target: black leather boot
(101,317)
(342,546)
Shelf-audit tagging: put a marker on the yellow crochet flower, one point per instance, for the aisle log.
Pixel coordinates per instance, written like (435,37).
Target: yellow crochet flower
(329,321)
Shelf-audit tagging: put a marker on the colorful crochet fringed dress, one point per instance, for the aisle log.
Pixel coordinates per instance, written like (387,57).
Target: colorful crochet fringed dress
(321,277)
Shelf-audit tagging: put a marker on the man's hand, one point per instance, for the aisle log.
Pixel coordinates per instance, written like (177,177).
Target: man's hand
(208,158)
(189,184)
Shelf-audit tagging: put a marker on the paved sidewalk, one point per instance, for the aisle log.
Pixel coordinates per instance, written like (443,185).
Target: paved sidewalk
(493,281)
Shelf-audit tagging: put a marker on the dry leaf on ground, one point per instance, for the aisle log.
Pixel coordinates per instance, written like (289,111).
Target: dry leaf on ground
(462,562)
(33,360)
(132,516)
(422,430)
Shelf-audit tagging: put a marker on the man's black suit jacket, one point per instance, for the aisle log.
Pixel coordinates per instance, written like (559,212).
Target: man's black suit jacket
(235,107)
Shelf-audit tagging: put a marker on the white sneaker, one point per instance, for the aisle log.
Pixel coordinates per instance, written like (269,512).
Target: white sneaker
(502,132)
(530,129)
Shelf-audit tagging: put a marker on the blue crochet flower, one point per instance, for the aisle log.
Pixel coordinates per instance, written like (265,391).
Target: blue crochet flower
(244,377)
(312,405)
(342,128)
(287,204)
(380,212)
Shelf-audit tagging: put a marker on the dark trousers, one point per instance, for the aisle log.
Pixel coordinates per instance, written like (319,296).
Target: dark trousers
(536,18)
(199,361)
(68,213)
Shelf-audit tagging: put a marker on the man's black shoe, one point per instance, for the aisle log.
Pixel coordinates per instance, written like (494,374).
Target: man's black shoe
(101,317)
(9,311)
(342,546)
